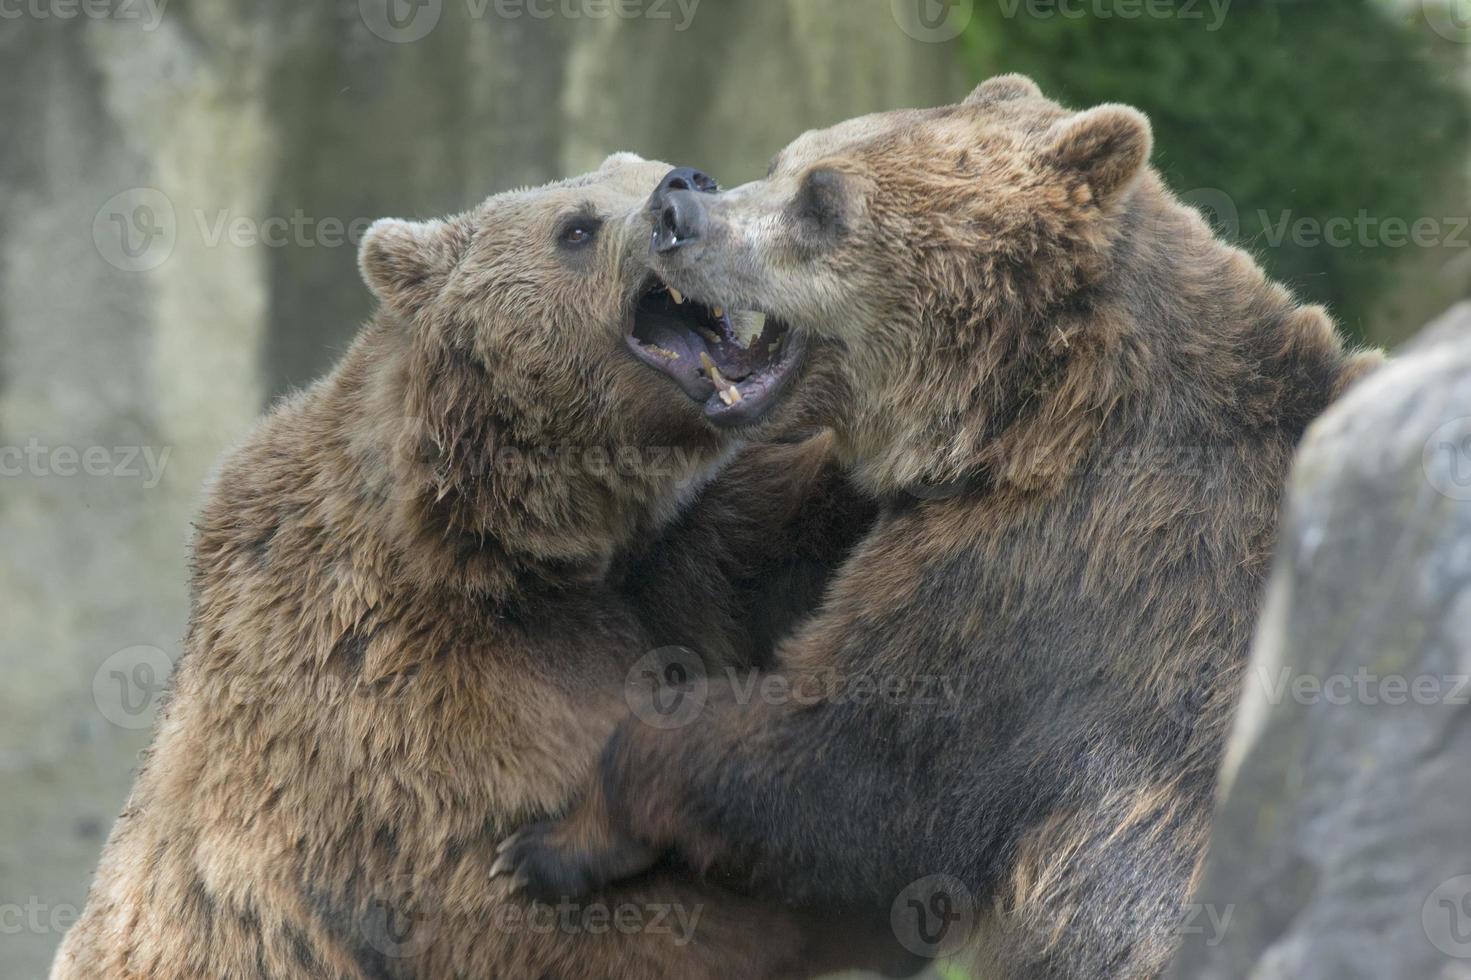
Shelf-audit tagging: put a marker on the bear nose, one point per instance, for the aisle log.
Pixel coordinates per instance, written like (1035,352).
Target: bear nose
(679,214)
(686,179)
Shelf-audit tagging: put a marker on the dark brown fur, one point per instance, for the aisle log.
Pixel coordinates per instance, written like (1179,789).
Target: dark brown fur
(412,629)
(1077,408)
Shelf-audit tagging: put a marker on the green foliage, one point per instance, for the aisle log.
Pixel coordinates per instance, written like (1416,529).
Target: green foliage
(1309,110)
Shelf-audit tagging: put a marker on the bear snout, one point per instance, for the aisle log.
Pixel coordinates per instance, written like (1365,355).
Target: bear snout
(679,213)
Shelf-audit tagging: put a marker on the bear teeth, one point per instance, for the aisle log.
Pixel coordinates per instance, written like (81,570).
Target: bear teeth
(677,296)
(728,392)
(715,376)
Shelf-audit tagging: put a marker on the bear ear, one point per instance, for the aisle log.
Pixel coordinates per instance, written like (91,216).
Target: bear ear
(1108,146)
(1003,88)
(620,158)
(404,262)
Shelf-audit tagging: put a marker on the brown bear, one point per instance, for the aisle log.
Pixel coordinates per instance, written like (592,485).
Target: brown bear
(1076,408)
(418,590)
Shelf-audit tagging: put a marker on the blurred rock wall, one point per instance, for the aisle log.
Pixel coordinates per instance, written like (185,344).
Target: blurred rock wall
(180,188)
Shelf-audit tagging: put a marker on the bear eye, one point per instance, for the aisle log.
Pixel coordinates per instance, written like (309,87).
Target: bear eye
(578,232)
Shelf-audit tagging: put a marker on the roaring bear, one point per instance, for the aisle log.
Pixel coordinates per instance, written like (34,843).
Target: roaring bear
(1076,408)
(419,589)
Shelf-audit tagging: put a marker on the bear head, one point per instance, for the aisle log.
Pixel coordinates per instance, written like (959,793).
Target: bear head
(927,253)
(524,420)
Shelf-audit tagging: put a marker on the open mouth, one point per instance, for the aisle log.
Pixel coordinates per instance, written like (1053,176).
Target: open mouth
(736,362)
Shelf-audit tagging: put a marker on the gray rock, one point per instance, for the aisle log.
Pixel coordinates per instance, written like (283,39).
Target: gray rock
(1342,846)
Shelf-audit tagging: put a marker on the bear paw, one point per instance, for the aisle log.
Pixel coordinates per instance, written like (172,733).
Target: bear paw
(543,864)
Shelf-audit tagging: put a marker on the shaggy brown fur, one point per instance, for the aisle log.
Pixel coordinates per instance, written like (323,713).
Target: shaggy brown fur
(1077,408)
(418,589)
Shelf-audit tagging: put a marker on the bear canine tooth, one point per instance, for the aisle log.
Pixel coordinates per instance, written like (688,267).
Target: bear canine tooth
(715,376)
(677,296)
(719,312)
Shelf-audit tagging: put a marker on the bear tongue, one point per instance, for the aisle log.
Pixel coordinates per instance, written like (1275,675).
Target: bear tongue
(678,352)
